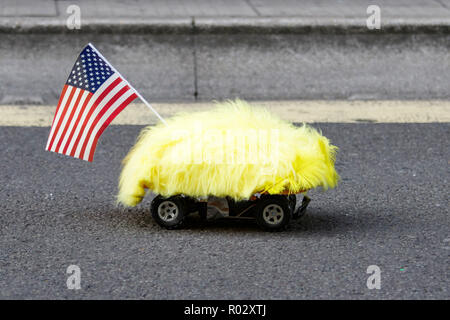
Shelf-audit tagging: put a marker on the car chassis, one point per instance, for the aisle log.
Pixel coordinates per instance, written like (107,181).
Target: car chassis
(272,212)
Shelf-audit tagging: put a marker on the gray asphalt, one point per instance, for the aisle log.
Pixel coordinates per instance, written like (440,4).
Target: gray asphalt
(390,210)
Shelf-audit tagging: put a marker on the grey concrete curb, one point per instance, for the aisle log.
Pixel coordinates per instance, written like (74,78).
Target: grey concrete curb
(224,25)
(186,59)
(317,25)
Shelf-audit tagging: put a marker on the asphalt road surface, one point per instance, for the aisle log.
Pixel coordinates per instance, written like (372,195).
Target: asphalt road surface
(390,210)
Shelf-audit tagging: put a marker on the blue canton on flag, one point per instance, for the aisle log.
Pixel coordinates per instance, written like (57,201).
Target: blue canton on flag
(89,71)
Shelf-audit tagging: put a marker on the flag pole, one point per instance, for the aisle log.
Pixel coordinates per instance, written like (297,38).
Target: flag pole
(150,107)
(137,93)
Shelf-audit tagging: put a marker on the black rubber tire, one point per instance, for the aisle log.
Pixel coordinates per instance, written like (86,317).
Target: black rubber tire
(182,211)
(282,202)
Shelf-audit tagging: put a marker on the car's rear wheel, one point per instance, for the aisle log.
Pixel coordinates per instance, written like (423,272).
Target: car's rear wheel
(169,212)
(273,213)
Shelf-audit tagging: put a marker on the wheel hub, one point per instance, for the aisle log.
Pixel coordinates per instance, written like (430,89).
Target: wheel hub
(168,211)
(273,214)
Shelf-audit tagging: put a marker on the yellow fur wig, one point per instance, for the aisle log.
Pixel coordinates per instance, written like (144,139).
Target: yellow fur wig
(233,150)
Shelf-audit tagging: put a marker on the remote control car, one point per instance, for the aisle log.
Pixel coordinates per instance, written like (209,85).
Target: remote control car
(272,212)
(231,161)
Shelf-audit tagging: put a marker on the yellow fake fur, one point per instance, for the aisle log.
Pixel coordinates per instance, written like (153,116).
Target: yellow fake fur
(232,150)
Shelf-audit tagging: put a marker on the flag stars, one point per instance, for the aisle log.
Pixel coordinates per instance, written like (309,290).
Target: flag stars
(89,71)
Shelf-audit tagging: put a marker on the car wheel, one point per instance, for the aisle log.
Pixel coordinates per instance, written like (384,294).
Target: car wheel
(273,213)
(169,212)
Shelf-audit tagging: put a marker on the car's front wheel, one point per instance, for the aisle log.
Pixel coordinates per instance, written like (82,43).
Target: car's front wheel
(169,212)
(273,213)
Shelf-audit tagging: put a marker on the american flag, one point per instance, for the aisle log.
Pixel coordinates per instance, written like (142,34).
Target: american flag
(94,94)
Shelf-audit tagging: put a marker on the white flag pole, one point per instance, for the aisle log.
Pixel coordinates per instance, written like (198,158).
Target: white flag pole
(138,94)
(150,107)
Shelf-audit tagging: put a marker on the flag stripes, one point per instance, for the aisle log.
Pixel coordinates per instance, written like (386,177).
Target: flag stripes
(92,109)
(74,121)
(106,120)
(82,115)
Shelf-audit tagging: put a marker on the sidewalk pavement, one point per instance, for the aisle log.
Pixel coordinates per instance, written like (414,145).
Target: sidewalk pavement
(45,15)
(330,9)
(219,49)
